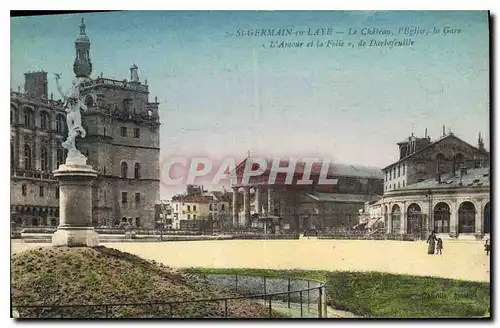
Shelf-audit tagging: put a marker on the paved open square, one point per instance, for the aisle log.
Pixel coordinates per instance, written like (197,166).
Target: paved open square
(464,260)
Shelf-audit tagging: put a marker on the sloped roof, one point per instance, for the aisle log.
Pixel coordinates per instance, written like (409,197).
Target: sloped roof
(448,136)
(192,199)
(479,177)
(334,197)
(335,169)
(221,195)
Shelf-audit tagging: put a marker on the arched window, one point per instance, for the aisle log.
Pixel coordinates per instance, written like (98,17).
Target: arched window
(44,120)
(440,159)
(396,219)
(415,220)
(210,207)
(458,161)
(12,157)
(44,159)
(28,117)
(466,217)
(13,114)
(60,124)
(59,157)
(124,168)
(137,171)
(487,218)
(442,218)
(127,106)
(27,157)
(89,101)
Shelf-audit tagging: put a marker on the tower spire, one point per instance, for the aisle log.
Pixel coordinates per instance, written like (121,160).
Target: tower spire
(480,143)
(82,27)
(82,66)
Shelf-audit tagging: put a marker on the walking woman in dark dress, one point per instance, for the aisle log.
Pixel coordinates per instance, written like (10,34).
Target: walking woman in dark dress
(432,243)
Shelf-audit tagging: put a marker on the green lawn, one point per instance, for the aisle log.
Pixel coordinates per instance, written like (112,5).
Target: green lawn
(383,295)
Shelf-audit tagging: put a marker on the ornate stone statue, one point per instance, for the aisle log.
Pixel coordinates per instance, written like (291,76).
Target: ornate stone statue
(72,104)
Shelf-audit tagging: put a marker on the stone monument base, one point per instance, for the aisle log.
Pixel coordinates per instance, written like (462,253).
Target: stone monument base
(75,204)
(75,237)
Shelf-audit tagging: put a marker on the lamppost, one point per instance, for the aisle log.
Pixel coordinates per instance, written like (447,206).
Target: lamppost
(163,217)
(382,208)
(161,225)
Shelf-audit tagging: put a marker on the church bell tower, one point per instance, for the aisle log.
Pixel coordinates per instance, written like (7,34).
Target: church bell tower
(82,66)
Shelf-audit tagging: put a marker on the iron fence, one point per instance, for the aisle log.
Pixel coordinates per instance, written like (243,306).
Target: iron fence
(309,301)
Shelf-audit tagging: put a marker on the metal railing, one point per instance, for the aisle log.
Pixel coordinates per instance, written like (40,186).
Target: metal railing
(307,302)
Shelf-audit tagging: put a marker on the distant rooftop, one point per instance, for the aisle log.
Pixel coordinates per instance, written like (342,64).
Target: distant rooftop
(335,169)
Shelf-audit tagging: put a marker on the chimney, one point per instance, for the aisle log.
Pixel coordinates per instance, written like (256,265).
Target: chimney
(36,84)
(425,133)
(463,171)
(444,133)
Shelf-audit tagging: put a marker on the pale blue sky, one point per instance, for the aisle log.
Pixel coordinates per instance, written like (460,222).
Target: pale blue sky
(224,95)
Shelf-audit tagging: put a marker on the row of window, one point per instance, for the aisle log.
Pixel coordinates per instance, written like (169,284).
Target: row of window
(44,120)
(137,170)
(41,191)
(211,207)
(123,132)
(391,186)
(125,197)
(391,174)
(60,125)
(44,157)
(214,208)
(210,216)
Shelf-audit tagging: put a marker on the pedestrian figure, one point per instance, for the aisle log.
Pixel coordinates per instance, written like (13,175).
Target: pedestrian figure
(432,243)
(439,247)
(487,246)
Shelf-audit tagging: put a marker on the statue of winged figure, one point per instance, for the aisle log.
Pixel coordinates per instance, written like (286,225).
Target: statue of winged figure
(72,104)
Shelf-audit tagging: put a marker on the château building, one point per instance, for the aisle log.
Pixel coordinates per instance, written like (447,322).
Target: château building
(122,144)
(37,129)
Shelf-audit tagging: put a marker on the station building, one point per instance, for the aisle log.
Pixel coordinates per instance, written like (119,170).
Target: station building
(442,186)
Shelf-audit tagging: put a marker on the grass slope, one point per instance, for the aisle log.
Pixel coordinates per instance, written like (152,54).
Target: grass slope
(78,276)
(383,295)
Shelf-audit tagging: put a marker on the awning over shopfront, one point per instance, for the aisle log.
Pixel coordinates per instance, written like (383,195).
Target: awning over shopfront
(360,225)
(373,222)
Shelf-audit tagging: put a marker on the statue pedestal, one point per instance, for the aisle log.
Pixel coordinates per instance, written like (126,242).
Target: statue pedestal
(75,206)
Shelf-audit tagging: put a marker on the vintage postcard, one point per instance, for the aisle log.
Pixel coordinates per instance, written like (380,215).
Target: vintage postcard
(250,164)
